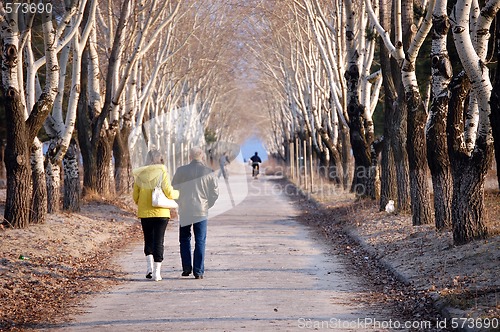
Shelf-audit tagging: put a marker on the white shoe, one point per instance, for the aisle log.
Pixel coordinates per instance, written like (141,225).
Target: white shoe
(149,271)
(156,271)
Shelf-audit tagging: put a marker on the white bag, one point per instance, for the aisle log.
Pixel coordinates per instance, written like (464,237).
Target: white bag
(160,200)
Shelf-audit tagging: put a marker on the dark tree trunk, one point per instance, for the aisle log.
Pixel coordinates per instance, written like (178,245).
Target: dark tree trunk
(346,157)
(360,145)
(468,196)
(401,153)
(388,183)
(398,132)
(53,179)
(468,172)
(39,197)
(123,168)
(397,121)
(495,104)
(2,160)
(21,133)
(439,163)
(373,186)
(388,178)
(84,128)
(17,163)
(71,201)
(335,165)
(324,163)
(96,149)
(96,141)
(419,187)
(437,146)
(401,118)
(103,170)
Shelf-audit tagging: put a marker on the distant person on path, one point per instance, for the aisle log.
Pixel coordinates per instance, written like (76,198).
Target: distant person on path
(255,164)
(154,220)
(198,192)
(223,161)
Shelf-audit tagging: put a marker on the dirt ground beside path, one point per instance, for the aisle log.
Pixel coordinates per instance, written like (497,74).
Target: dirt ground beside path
(67,259)
(434,277)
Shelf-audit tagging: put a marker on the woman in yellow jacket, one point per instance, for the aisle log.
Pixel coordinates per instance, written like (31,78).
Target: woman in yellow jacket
(154,220)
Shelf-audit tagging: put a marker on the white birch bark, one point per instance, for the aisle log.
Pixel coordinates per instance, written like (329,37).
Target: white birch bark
(474,66)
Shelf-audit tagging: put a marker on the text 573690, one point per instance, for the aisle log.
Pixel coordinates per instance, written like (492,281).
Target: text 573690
(28,8)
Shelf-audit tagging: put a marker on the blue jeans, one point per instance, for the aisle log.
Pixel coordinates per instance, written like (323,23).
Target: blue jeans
(154,235)
(200,237)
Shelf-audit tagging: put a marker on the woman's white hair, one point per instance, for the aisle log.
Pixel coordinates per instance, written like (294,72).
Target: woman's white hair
(197,154)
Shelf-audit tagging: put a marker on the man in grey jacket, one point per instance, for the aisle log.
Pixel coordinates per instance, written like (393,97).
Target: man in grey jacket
(199,190)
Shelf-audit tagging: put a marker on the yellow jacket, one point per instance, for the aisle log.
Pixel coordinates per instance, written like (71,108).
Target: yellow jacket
(146,179)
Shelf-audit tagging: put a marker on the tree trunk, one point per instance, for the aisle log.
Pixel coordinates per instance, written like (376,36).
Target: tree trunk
(361,138)
(388,183)
(2,160)
(84,127)
(439,163)
(398,132)
(103,167)
(123,168)
(419,187)
(495,104)
(414,131)
(346,157)
(468,172)
(388,178)
(437,146)
(17,163)
(468,208)
(53,179)
(324,164)
(334,154)
(39,197)
(95,133)
(373,188)
(360,147)
(96,151)
(468,197)
(71,201)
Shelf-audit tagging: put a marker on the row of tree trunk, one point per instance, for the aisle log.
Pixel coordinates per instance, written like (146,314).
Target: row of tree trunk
(446,136)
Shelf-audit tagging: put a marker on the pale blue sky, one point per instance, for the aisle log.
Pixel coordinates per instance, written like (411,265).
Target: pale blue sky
(252,145)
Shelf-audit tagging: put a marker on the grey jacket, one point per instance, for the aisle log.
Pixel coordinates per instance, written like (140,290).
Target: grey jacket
(198,189)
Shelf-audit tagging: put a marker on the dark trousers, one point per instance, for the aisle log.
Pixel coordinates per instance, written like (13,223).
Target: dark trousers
(154,235)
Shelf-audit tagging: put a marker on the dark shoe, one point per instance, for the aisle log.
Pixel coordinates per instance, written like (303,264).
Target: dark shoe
(149,275)
(198,277)
(186,273)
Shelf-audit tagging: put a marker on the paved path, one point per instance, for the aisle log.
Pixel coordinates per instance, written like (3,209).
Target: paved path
(264,272)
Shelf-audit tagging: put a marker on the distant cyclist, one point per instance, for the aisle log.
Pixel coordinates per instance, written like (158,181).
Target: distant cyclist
(255,164)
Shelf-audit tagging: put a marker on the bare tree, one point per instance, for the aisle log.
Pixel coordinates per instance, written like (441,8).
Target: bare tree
(60,130)
(19,209)
(470,160)
(410,102)
(394,186)
(437,147)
